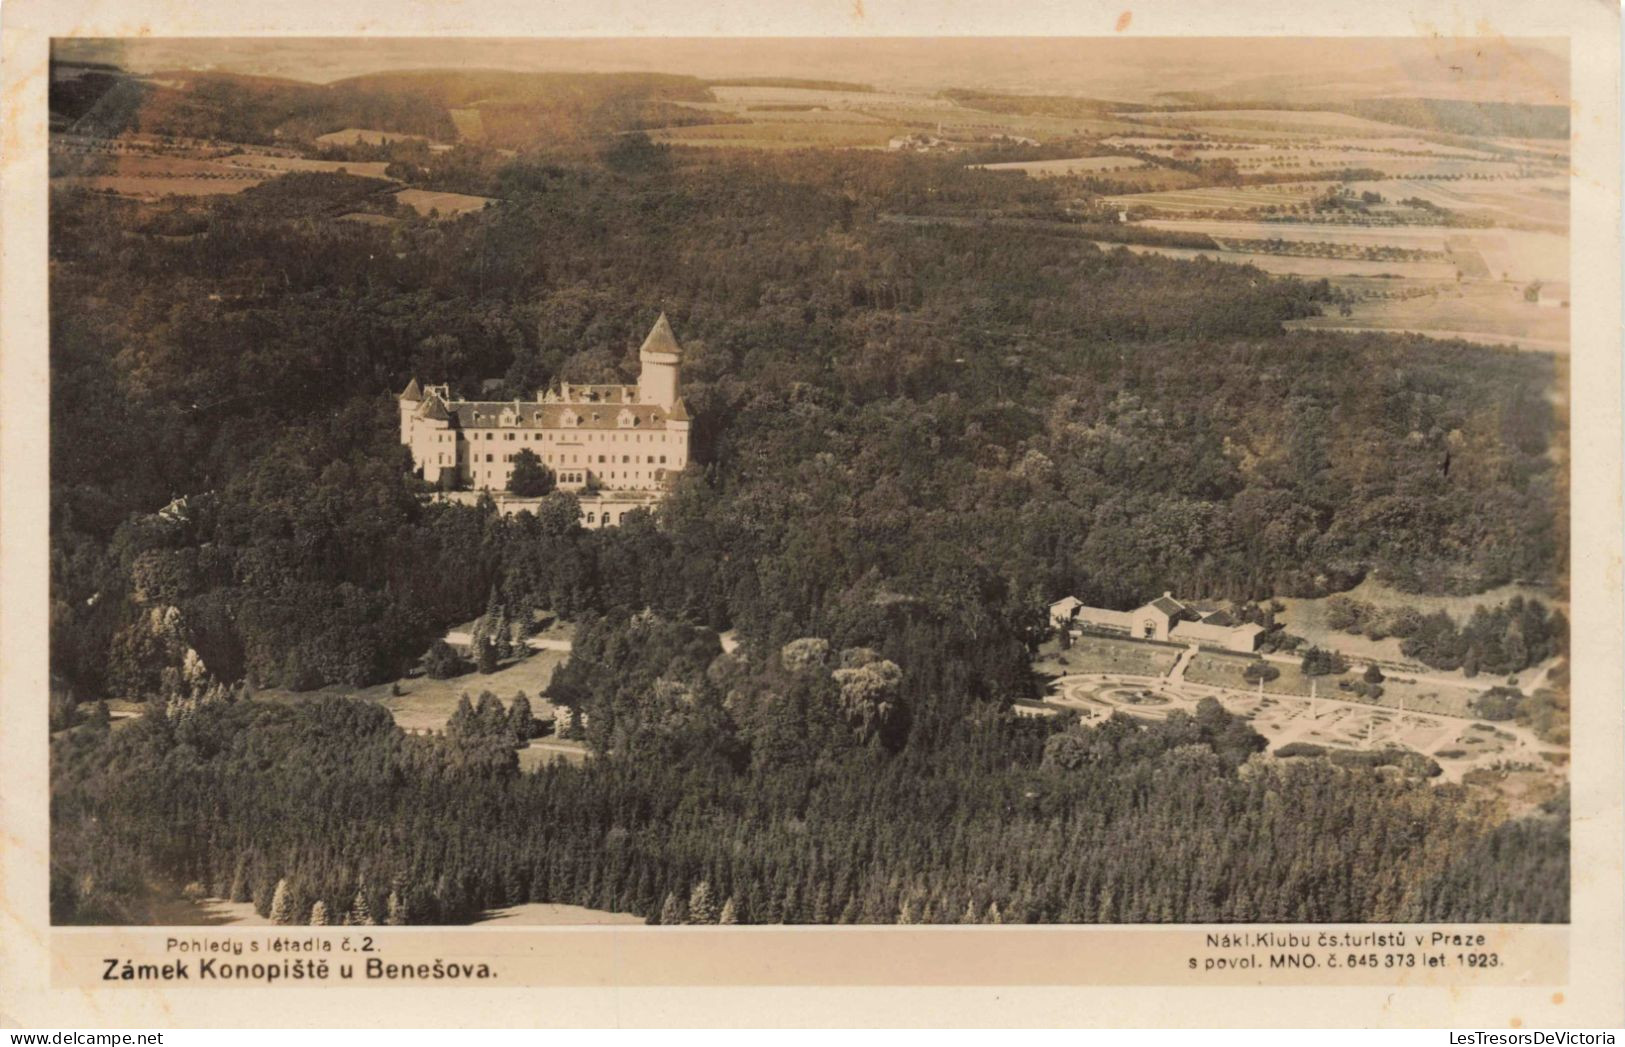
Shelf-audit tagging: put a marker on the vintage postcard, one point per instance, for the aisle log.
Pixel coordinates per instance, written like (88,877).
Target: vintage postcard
(811,514)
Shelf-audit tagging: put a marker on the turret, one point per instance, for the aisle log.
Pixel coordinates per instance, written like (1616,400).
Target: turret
(408,402)
(660,356)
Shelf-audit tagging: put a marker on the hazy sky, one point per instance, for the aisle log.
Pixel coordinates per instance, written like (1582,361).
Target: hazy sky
(1127,69)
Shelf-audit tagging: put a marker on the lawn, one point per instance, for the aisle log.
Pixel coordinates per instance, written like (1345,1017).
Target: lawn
(1225,670)
(425,704)
(1105,654)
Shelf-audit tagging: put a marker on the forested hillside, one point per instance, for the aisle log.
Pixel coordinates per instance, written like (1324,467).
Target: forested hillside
(908,439)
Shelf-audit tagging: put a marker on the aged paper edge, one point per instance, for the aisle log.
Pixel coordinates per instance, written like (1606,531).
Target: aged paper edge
(927,993)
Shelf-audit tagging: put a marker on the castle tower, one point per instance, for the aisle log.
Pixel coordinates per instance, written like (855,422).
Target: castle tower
(408,402)
(660,357)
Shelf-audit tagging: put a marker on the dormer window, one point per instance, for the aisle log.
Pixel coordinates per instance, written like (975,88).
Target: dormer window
(569,419)
(626,419)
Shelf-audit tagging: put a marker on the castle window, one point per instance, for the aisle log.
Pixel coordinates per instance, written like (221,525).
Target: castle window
(625,458)
(600,459)
(488,458)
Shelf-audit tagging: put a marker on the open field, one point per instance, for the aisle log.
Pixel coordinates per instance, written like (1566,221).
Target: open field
(1540,202)
(281,164)
(1309,268)
(1215,198)
(861,133)
(1225,670)
(550,914)
(448,205)
(1105,654)
(1306,617)
(747,95)
(1060,168)
(1507,254)
(366,136)
(1488,313)
(428,703)
(470,125)
(152,177)
(1293,120)
(543,751)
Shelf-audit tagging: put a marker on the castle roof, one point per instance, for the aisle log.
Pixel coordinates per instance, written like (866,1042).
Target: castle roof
(412,392)
(679,411)
(661,339)
(434,410)
(482,414)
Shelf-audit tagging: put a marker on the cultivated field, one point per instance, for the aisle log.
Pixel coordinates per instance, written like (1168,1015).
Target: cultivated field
(1218,198)
(1540,202)
(855,133)
(1291,120)
(1486,313)
(365,136)
(447,205)
(1059,168)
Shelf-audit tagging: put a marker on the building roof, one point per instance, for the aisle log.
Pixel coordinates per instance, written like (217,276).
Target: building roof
(434,410)
(412,392)
(1220,617)
(525,414)
(661,339)
(1167,605)
(1201,631)
(1066,603)
(679,411)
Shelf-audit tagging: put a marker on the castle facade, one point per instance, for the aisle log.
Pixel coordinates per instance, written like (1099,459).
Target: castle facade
(619,443)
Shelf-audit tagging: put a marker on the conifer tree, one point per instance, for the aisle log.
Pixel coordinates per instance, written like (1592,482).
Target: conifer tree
(397,915)
(360,914)
(318,914)
(282,904)
(490,720)
(521,721)
(730,913)
(701,907)
(461,723)
(671,910)
(485,657)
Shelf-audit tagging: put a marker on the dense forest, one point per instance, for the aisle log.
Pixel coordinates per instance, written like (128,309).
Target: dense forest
(907,440)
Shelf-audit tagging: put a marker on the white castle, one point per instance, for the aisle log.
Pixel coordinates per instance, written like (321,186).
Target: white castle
(625,441)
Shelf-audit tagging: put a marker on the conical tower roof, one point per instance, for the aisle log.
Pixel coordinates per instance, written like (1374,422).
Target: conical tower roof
(661,339)
(434,410)
(412,392)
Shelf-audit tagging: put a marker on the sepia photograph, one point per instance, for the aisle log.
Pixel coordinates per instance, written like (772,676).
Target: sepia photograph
(921,481)
(634,483)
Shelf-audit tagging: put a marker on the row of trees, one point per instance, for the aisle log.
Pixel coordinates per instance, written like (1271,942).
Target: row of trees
(1012,820)
(1498,640)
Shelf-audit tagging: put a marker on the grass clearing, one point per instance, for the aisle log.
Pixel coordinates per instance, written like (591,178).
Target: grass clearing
(447,205)
(1225,670)
(427,703)
(1106,654)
